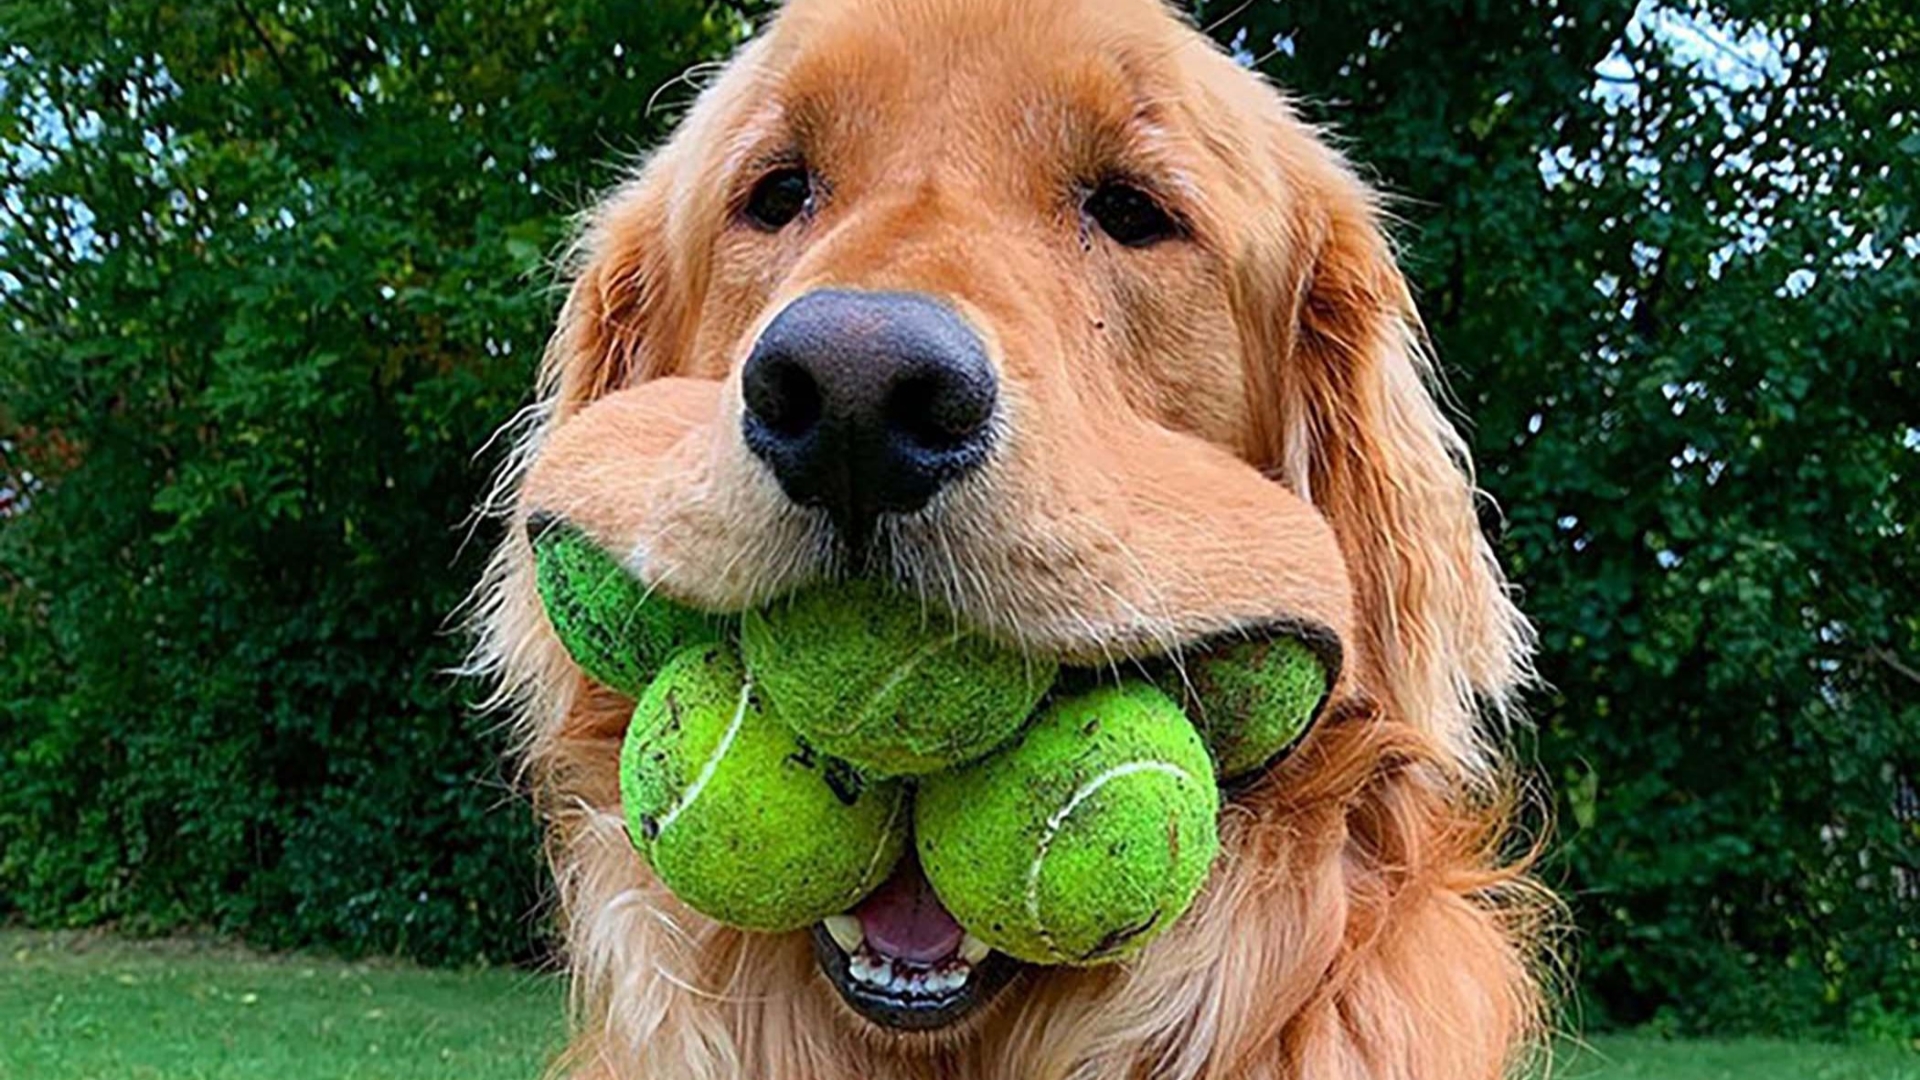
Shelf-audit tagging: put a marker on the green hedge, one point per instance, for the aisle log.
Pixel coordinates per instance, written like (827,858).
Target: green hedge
(271,274)
(308,281)
(1694,402)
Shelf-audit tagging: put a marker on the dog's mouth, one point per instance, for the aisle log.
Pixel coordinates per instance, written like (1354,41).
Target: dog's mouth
(901,960)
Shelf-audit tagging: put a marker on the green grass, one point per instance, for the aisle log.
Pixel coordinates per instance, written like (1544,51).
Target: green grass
(89,1008)
(76,1007)
(1632,1057)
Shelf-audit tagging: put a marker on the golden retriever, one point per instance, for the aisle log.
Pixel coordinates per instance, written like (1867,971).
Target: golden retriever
(1053,314)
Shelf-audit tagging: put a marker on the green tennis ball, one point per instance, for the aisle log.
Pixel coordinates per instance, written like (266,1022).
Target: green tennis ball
(872,675)
(1083,841)
(1254,699)
(743,821)
(611,625)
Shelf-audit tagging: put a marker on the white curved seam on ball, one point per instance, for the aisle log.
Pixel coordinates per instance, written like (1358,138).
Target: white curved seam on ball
(873,863)
(712,764)
(1059,818)
(905,667)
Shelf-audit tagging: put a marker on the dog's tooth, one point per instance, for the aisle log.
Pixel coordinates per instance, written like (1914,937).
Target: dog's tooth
(859,968)
(846,932)
(882,973)
(973,950)
(917,985)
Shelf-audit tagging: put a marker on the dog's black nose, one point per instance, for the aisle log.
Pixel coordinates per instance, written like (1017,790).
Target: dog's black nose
(867,403)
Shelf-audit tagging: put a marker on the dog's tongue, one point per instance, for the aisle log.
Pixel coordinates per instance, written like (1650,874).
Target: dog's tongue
(903,919)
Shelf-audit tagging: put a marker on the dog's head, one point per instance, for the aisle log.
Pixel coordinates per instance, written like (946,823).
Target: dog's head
(1054,315)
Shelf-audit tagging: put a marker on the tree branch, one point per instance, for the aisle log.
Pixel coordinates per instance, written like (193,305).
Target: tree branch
(1887,657)
(287,76)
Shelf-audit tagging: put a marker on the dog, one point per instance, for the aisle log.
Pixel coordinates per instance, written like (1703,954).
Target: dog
(1057,317)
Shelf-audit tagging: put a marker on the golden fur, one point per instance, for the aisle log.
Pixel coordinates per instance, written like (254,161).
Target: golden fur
(1230,428)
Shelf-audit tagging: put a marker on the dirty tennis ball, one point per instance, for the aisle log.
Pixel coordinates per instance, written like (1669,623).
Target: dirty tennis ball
(1254,699)
(743,821)
(605,617)
(872,675)
(1083,841)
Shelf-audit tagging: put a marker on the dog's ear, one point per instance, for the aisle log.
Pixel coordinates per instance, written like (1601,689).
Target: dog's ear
(623,316)
(619,325)
(1351,421)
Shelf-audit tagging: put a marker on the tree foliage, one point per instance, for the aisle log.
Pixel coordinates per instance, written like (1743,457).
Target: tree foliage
(273,273)
(1668,257)
(270,274)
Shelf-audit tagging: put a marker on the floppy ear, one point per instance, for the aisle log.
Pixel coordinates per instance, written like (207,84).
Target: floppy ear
(622,319)
(620,324)
(1352,423)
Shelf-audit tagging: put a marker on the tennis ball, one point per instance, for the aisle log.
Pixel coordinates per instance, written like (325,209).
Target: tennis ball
(1083,841)
(1254,699)
(869,674)
(609,622)
(743,821)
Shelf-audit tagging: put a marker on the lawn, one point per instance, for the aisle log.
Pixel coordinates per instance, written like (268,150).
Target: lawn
(1628,1057)
(79,1008)
(92,1008)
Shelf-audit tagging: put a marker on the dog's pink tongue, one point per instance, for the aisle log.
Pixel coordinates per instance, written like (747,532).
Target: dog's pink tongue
(903,919)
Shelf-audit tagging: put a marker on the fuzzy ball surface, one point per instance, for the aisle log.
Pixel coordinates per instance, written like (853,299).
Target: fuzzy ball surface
(740,818)
(1083,841)
(874,676)
(604,616)
(1254,699)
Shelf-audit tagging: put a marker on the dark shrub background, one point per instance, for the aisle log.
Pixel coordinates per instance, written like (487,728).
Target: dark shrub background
(270,275)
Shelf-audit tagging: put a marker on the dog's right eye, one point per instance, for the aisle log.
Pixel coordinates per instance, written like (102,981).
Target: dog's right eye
(1130,215)
(781,196)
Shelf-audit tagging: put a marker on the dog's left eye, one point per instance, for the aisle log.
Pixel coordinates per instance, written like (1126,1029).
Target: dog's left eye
(1129,215)
(780,197)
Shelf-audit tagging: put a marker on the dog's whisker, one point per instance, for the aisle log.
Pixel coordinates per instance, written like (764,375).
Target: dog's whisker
(951,579)
(687,77)
(660,970)
(1158,626)
(673,925)
(638,899)
(753,554)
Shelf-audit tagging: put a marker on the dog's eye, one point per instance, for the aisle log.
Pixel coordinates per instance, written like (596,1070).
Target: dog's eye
(1130,215)
(779,197)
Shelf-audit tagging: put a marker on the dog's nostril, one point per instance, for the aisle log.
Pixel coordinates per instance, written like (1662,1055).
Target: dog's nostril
(935,412)
(785,397)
